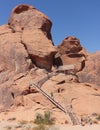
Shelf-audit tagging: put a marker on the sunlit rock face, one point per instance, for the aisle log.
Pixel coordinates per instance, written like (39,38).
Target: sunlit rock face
(25,43)
(91,72)
(35,35)
(70,51)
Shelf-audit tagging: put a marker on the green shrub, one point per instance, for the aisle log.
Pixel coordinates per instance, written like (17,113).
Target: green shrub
(47,118)
(44,119)
(39,119)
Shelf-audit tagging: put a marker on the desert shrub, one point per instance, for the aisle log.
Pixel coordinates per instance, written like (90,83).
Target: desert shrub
(47,118)
(39,119)
(94,114)
(98,117)
(88,120)
(44,119)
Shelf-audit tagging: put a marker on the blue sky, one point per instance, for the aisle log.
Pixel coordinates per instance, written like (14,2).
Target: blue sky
(79,18)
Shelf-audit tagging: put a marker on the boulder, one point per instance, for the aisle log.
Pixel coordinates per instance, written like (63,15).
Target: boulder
(69,45)
(36,36)
(39,47)
(70,52)
(26,17)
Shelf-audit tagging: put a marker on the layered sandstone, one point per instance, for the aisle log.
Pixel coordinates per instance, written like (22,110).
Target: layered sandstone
(25,43)
(27,56)
(70,52)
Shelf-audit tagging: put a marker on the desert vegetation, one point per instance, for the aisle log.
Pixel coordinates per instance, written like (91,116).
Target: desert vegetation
(44,119)
(90,119)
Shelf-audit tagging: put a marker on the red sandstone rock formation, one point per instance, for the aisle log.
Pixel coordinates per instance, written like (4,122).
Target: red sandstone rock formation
(26,43)
(26,39)
(91,72)
(70,51)
(35,34)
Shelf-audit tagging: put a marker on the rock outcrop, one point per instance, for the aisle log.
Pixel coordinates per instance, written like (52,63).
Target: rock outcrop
(25,43)
(13,55)
(91,72)
(35,34)
(26,40)
(27,56)
(70,52)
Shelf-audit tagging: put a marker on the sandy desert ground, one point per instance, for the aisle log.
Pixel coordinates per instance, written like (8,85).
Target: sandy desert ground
(88,127)
(14,126)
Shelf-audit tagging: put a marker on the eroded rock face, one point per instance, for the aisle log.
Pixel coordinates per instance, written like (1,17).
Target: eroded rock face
(27,17)
(27,39)
(39,47)
(91,72)
(35,34)
(13,55)
(70,45)
(70,51)
(25,42)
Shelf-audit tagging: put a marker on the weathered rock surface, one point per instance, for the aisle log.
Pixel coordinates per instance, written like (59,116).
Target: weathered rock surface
(35,34)
(70,45)
(27,54)
(13,55)
(91,72)
(70,51)
(25,42)
(26,17)
(22,100)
